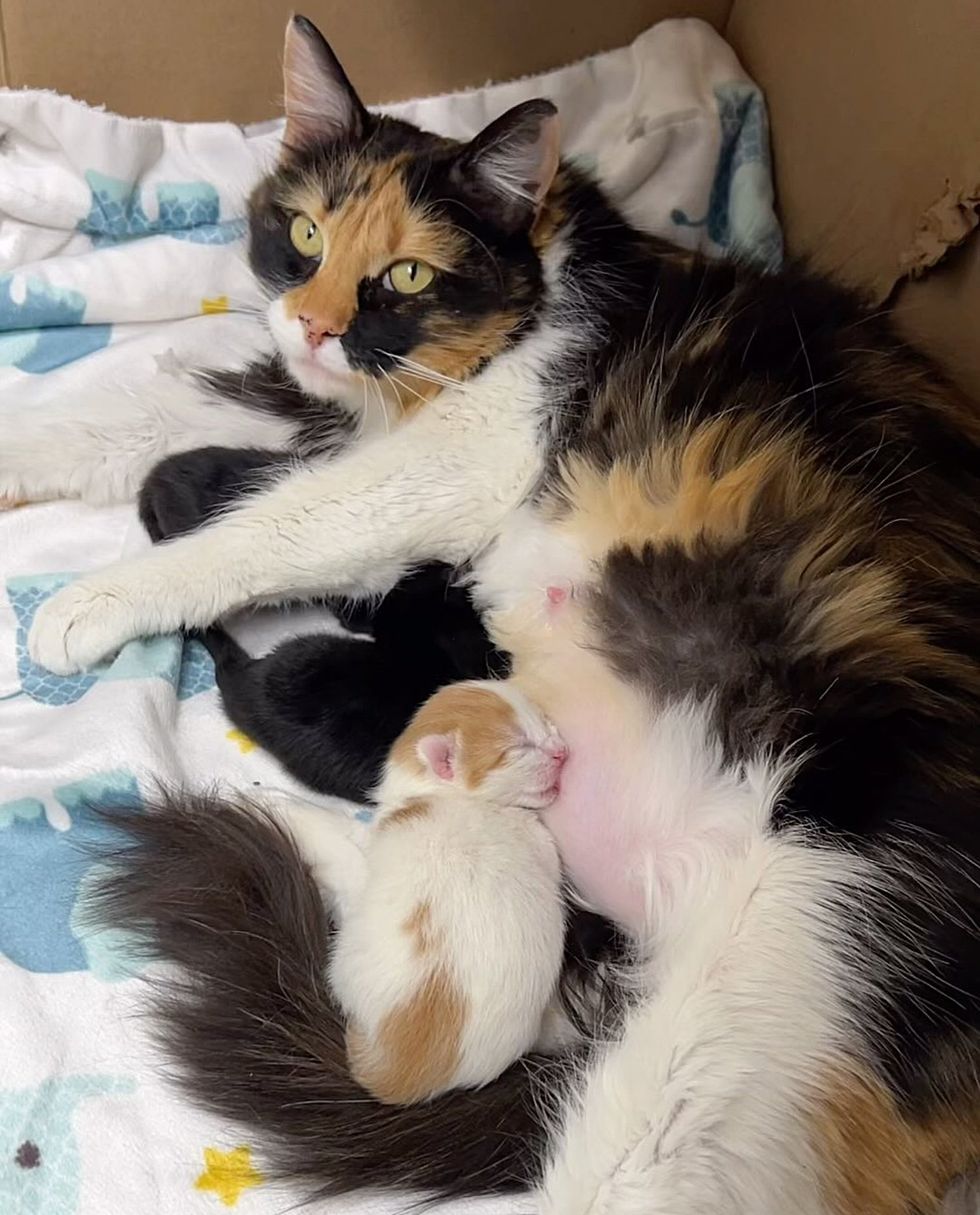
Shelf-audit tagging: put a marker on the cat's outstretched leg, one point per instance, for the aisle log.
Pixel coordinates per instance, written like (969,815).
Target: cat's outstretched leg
(348,526)
(100,446)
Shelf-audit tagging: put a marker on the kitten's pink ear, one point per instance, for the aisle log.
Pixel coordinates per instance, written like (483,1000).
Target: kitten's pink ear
(512,162)
(438,753)
(321,104)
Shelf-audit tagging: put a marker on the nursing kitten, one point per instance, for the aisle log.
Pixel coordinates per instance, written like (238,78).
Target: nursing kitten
(327,707)
(769,507)
(448,953)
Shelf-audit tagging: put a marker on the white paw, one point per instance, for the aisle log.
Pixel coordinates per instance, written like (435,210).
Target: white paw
(79,625)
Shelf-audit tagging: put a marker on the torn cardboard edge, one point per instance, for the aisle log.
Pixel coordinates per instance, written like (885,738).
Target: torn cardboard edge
(944,225)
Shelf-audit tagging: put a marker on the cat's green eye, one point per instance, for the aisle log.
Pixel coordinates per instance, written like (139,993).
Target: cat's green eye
(306,236)
(409,278)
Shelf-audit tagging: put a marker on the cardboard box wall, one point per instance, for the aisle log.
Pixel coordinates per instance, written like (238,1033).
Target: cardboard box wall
(875,104)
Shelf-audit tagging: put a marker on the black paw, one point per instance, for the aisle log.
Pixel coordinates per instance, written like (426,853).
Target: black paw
(185,491)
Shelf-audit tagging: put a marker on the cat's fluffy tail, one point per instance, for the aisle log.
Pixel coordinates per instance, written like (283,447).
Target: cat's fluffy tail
(219,888)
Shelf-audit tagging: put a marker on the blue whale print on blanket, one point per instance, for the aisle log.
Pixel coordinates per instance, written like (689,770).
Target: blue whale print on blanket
(39,1159)
(187,666)
(41,325)
(44,875)
(740,217)
(185,210)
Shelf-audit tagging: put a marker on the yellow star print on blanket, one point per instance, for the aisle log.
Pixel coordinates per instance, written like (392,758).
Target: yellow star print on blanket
(228,1174)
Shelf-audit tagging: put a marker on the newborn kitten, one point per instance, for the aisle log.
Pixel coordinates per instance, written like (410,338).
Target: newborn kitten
(327,707)
(448,955)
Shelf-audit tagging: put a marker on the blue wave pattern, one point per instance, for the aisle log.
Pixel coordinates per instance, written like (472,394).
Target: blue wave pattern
(186,666)
(45,328)
(43,877)
(188,211)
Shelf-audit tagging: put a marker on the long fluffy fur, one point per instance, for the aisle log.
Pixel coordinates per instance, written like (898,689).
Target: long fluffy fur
(220,889)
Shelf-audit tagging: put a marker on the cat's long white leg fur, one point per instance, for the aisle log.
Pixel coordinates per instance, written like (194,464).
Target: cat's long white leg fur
(99,446)
(708,1101)
(436,488)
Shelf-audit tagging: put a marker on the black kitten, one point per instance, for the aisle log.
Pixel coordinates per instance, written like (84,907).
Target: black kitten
(328,708)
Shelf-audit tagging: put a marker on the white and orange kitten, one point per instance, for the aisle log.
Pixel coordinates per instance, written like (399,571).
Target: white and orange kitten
(450,908)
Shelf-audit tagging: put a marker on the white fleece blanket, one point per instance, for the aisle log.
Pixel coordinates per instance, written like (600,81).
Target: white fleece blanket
(121,257)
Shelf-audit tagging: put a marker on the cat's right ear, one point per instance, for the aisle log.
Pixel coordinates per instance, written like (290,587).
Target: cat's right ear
(509,167)
(321,105)
(439,754)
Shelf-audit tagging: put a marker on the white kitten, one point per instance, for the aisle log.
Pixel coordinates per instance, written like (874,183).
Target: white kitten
(448,955)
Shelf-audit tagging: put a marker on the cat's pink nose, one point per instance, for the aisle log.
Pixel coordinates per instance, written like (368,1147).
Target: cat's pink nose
(559,754)
(317,331)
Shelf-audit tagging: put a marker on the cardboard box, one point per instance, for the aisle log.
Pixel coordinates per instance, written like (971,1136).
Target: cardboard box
(875,104)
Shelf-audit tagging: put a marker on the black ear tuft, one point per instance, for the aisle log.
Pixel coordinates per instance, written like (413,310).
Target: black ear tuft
(511,164)
(321,104)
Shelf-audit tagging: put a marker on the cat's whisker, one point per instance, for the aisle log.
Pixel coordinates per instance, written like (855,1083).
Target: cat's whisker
(381,402)
(392,383)
(422,371)
(364,411)
(404,387)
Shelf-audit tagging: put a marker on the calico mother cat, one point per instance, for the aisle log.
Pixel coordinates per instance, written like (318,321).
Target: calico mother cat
(763,509)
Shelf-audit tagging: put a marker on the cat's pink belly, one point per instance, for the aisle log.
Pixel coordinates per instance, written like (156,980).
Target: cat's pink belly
(598,820)
(648,809)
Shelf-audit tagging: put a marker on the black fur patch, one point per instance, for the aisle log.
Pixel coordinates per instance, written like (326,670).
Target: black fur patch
(186,490)
(329,708)
(711,626)
(322,426)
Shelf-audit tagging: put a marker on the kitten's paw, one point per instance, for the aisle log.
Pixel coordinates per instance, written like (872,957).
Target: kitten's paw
(79,625)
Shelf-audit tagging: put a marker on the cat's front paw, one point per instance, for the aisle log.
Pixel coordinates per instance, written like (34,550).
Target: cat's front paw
(81,624)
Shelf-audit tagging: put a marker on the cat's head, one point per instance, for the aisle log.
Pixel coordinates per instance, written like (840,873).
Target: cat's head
(397,260)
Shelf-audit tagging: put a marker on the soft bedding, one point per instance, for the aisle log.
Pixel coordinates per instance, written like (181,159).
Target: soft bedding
(121,257)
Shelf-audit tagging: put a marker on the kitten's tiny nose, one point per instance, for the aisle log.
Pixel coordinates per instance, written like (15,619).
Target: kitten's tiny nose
(559,753)
(317,331)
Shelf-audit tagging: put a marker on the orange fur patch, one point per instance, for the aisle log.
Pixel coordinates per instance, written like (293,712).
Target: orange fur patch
(483,723)
(552,214)
(454,351)
(417,1049)
(875,1161)
(374,226)
(414,809)
(727,480)
(419,926)
(705,483)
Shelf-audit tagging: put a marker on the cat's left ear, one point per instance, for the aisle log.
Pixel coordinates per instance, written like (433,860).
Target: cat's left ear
(511,164)
(321,104)
(438,753)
